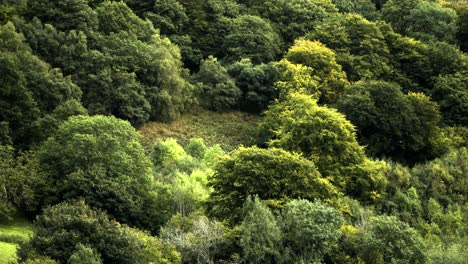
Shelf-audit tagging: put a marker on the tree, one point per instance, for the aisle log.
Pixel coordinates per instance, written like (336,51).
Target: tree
(100,159)
(322,61)
(421,19)
(323,135)
(22,182)
(311,230)
(198,238)
(145,78)
(60,230)
(391,124)
(84,255)
(451,92)
(359,45)
(275,175)
(169,16)
(389,240)
(256,83)
(64,15)
(295,18)
(366,8)
(296,78)
(253,38)
(117,16)
(443,179)
(30,89)
(219,91)
(261,236)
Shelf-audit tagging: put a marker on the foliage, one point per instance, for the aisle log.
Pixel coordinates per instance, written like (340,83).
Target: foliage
(260,237)
(218,89)
(30,91)
(22,182)
(8,252)
(311,230)
(322,61)
(198,238)
(444,179)
(359,44)
(185,171)
(366,8)
(295,18)
(64,15)
(391,124)
(256,83)
(273,174)
(387,240)
(321,134)
(450,91)
(84,255)
(98,153)
(421,19)
(251,37)
(61,228)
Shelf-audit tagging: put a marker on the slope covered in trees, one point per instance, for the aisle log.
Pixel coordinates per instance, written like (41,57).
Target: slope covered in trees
(234,131)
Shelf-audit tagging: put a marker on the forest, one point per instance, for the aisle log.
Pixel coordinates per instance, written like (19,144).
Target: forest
(233,131)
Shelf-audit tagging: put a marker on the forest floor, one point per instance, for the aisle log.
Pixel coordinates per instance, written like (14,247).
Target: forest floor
(229,129)
(11,235)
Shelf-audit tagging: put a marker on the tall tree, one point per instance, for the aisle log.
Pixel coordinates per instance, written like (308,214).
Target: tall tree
(60,229)
(252,37)
(275,175)
(100,159)
(311,230)
(392,124)
(426,20)
(219,91)
(261,235)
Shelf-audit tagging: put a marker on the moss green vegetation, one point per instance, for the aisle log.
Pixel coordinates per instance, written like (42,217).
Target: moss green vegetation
(8,252)
(11,235)
(234,131)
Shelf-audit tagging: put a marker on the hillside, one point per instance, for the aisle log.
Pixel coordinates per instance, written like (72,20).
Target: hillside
(233,131)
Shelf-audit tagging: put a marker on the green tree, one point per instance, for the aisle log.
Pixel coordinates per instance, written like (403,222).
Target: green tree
(311,230)
(451,92)
(251,37)
(366,8)
(117,16)
(322,60)
(199,239)
(63,227)
(22,182)
(88,154)
(169,16)
(392,124)
(64,15)
(219,91)
(30,89)
(261,236)
(388,240)
(84,255)
(273,174)
(421,19)
(444,179)
(323,135)
(296,78)
(256,83)
(295,18)
(359,45)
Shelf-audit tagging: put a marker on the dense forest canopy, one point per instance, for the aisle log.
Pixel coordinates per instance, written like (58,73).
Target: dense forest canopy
(234,131)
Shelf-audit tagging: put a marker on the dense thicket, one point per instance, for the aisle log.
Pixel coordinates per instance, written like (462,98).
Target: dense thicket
(360,154)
